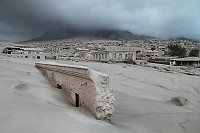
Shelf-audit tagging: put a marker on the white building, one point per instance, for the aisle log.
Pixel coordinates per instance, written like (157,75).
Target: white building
(151,53)
(29,53)
(116,54)
(188,61)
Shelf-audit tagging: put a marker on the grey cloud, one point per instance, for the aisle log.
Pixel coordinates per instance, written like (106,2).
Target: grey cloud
(25,19)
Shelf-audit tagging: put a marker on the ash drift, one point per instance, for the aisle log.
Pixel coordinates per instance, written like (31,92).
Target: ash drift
(85,87)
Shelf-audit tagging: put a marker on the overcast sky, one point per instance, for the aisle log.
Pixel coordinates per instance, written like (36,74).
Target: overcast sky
(25,19)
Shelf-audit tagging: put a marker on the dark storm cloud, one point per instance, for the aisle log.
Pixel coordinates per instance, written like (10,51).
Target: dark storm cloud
(23,19)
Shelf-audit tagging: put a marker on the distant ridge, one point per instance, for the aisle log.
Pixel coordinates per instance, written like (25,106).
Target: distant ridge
(62,33)
(182,38)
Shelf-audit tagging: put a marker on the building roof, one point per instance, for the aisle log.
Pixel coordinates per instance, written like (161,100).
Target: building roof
(151,51)
(33,49)
(82,49)
(12,47)
(99,52)
(122,49)
(187,59)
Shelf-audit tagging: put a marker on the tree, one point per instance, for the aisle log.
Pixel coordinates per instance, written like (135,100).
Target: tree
(177,50)
(194,53)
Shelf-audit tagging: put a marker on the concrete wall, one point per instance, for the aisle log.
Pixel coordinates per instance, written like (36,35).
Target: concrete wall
(92,87)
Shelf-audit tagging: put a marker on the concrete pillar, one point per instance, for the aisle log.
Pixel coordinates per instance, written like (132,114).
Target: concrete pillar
(97,58)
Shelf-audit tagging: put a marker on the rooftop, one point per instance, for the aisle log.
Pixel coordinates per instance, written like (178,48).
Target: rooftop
(187,59)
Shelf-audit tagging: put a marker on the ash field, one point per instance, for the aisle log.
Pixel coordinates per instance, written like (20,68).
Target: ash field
(29,104)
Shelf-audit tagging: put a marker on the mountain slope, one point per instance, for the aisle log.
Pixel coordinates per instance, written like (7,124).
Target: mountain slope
(103,34)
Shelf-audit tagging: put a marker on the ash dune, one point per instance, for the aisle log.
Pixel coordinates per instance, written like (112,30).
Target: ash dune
(30,104)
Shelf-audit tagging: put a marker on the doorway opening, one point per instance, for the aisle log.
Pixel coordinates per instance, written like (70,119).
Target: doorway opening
(77,100)
(59,86)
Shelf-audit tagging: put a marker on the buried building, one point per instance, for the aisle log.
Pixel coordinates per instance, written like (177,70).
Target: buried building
(86,87)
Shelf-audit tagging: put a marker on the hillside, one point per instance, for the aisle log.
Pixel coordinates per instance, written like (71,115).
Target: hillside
(63,33)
